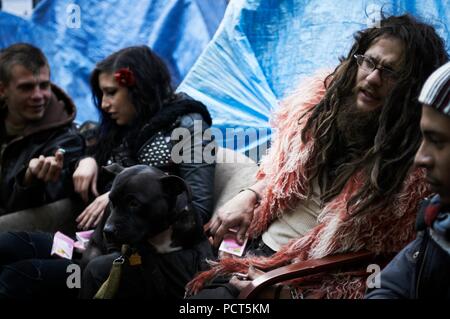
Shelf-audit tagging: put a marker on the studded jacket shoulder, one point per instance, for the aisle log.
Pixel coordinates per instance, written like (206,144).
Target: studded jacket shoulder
(167,147)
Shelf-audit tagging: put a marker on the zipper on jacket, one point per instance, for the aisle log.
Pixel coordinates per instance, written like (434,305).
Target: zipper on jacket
(422,264)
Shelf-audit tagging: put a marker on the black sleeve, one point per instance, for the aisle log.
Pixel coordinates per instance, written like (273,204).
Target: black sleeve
(40,193)
(197,169)
(398,278)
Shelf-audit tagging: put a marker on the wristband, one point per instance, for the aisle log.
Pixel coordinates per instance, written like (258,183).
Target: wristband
(258,197)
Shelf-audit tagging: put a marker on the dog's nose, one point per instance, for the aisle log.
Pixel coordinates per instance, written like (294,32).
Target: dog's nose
(110,232)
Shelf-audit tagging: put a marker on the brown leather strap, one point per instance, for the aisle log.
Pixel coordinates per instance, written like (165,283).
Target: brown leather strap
(303,268)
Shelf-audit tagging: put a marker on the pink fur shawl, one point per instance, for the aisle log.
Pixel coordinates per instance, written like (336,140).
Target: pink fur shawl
(338,231)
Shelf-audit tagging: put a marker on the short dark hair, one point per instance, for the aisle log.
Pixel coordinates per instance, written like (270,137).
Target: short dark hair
(25,54)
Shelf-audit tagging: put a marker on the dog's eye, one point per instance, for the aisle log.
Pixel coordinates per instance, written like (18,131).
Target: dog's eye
(133,203)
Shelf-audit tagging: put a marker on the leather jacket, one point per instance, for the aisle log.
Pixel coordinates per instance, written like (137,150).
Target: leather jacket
(199,176)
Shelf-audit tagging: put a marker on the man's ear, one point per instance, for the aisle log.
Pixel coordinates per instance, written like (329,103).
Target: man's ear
(173,185)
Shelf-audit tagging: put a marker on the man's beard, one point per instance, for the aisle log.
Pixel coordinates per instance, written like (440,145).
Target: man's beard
(357,128)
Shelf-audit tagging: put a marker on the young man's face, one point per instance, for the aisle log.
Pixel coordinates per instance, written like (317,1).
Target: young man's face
(27,94)
(434,152)
(372,87)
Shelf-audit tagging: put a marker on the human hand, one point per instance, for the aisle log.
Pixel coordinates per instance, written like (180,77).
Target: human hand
(277,291)
(85,178)
(92,214)
(240,281)
(44,168)
(236,213)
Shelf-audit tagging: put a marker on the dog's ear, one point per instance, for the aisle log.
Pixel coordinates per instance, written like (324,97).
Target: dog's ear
(174,185)
(108,174)
(113,170)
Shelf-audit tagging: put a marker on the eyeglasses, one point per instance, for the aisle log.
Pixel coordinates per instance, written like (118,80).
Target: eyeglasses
(368,64)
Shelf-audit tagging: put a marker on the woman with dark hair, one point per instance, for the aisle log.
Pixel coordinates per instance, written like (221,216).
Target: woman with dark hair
(137,106)
(138,113)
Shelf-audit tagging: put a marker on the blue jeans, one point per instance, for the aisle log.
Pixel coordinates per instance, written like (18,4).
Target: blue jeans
(27,270)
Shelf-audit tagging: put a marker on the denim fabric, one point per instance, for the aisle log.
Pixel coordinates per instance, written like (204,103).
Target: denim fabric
(28,271)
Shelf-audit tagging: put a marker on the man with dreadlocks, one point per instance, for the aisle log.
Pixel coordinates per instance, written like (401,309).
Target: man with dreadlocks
(338,177)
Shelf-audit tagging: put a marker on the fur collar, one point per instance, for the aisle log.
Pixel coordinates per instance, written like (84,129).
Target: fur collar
(166,118)
(338,230)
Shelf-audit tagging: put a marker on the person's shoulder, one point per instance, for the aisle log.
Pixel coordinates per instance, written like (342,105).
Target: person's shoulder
(192,111)
(192,120)
(189,119)
(184,100)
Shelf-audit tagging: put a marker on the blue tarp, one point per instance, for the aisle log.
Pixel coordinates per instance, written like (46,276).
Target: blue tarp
(263,48)
(75,34)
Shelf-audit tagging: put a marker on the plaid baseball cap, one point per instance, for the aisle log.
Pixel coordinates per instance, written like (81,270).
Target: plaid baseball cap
(436,90)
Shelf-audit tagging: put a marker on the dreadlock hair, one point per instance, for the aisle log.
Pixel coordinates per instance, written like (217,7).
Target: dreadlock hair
(387,161)
(151,90)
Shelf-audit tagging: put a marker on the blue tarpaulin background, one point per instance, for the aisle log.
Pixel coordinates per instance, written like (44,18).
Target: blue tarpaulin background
(74,38)
(260,52)
(263,48)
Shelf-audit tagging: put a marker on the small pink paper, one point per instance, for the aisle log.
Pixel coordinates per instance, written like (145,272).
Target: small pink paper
(230,245)
(84,236)
(79,246)
(62,246)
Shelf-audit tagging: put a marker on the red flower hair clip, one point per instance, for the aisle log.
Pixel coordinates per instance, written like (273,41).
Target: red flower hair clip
(125,77)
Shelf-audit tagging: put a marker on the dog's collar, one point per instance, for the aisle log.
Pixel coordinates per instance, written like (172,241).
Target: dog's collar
(110,287)
(131,254)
